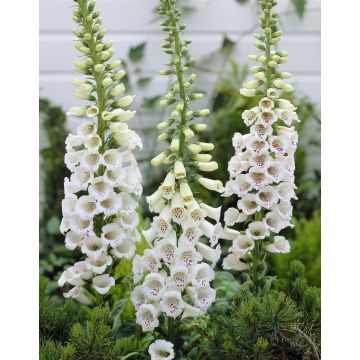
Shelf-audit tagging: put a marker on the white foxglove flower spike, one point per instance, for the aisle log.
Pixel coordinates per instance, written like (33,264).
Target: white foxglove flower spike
(265,187)
(175,260)
(102,220)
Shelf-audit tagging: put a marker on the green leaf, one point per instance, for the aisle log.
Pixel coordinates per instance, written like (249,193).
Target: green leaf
(242,1)
(227,44)
(149,102)
(143,81)
(299,7)
(52,226)
(136,53)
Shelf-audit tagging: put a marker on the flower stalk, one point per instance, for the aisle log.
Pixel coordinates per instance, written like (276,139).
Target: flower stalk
(173,277)
(262,170)
(99,209)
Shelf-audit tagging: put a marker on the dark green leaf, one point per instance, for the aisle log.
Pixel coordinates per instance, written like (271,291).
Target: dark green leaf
(136,53)
(149,102)
(242,1)
(143,81)
(299,7)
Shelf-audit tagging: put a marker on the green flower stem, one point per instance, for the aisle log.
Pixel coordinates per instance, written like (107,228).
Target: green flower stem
(98,77)
(179,75)
(100,92)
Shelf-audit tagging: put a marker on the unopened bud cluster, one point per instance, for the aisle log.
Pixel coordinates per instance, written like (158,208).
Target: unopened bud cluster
(266,73)
(99,208)
(175,273)
(262,169)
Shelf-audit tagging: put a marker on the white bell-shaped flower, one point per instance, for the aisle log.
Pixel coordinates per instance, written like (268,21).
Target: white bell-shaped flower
(98,265)
(161,350)
(257,230)
(280,245)
(171,303)
(138,297)
(201,275)
(103,283)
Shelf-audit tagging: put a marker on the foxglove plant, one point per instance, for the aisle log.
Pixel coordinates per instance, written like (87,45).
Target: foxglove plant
(99,208)
(173,276)
(262,169)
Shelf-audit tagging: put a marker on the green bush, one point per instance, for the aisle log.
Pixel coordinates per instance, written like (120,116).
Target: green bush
(282,324)
(306,247)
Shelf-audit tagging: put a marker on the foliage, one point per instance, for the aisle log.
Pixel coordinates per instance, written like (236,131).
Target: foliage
(306,246)
(70,332)
(283,323)
(55,322)
(53,254)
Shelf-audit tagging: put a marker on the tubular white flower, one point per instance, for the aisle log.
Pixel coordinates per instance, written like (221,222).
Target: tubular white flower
(68,204)
(187,256)
(242,244)
(81,178)
(280,245)
(79,225)
(138,296)
(103,283)
(201,275)
(232,262)
(179,277)
(124,250)
(167,188)
(249,204)
(93,246)
(86,207)
(109,205)
(154,286)
(73,240)
(147,317)
(236,166)
(98,265)
(150,261)
(100,188)
(205,297)
(208,253)
(267,196)
(91,160)
(171,303)
(211,212)
(161,350)
(113,234)
(166,248)
(77,293)
(257,230)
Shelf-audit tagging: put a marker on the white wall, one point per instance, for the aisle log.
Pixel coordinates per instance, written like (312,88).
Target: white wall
(130,22)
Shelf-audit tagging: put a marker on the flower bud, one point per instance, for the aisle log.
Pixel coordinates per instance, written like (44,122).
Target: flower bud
(77,110)
(99,68)
(179,169)
(174,145)
(207,166)
(115,64)
(120,74)
(198,127)
(206,146)
(247,92)
(203,157)
(163,136)
(194,148)
(273,64)
(188,133)
(125,101)
(278,83)
(118,90)
(107,82)
(157,160)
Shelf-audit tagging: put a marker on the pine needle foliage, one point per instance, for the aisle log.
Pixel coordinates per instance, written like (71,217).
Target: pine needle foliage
(281,324)
(55,322)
